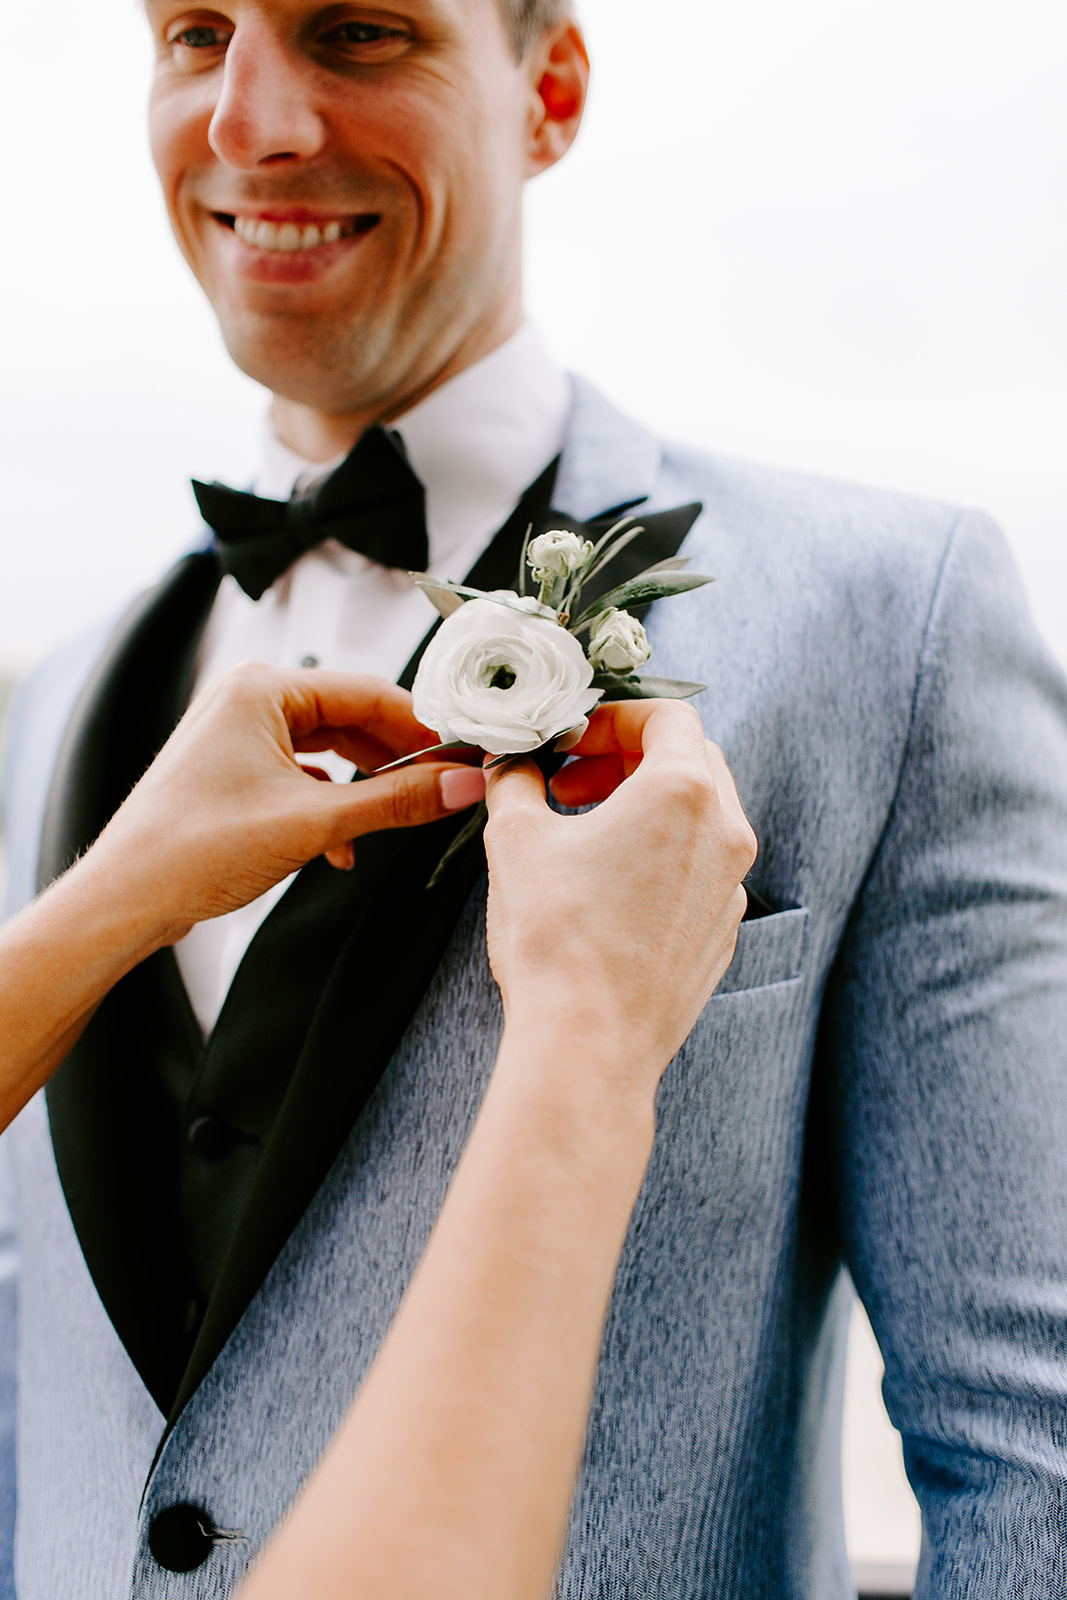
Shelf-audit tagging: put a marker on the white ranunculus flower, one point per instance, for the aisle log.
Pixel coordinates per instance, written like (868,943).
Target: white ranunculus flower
(504,680)
(618,643)
(557,553)
(522,602)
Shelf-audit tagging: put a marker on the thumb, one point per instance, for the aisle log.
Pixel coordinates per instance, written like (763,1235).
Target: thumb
(516,786)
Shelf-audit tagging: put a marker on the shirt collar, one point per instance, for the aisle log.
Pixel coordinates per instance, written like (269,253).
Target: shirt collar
(476,443)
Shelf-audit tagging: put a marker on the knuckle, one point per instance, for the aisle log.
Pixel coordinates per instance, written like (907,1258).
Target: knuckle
(686,787)
(682,709)
(251,675)
(502,832)
(406,800)
(247,682)
(745,845)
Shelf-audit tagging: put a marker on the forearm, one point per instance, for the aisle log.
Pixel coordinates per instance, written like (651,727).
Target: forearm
(454,1469)
(58,959)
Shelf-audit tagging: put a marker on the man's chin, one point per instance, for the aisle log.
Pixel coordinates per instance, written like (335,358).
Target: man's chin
(312,362)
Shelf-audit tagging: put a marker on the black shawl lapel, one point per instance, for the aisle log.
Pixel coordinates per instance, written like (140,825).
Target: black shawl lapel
(100,1100)
(399,933)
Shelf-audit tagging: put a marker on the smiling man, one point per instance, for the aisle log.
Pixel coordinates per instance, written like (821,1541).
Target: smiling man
(348,189)
(234,1172)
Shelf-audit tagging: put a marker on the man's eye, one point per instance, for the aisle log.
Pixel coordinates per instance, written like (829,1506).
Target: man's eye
(363,33)
(201,38)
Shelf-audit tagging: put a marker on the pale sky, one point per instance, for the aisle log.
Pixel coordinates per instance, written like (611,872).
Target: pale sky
(831,236)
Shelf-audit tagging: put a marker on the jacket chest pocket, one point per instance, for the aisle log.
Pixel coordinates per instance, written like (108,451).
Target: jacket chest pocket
(769,950)
(730,1111)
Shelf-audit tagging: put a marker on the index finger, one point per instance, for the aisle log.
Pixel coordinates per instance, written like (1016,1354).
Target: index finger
(313,698)
(641,727)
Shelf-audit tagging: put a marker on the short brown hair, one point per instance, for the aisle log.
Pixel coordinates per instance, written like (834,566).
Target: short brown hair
(527,20)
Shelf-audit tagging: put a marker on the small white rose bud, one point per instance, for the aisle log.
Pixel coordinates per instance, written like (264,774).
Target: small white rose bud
(618,643)
(557,553)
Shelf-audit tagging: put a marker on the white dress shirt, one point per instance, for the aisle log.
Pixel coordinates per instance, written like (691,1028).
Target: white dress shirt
(476,444)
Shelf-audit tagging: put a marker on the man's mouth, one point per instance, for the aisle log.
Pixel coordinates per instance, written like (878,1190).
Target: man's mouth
(288,236)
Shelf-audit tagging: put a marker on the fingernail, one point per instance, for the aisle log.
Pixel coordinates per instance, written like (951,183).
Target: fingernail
(462,787)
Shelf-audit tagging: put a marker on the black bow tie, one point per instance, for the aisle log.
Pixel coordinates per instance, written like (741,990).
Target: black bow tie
(372,503)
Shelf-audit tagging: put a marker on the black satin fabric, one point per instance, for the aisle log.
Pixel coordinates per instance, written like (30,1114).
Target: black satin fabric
(372,502)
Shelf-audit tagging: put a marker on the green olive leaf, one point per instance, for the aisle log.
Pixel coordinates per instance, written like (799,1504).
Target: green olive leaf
(618,687)
(641,591)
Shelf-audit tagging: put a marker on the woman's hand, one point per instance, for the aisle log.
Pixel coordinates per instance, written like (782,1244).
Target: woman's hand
(223,813)
(226,811)
(623,920)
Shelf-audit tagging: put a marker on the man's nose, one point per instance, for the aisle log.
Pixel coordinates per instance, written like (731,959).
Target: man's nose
(265,112)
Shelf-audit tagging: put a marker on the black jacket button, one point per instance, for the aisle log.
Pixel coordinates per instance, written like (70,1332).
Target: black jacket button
(210,1137)
(180,1538)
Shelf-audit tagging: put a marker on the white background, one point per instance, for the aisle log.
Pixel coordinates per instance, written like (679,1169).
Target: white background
(831,235)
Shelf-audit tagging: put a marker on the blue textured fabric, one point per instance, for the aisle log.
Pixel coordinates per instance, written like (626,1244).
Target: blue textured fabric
(8,1336)
(878,1085)
(66,668)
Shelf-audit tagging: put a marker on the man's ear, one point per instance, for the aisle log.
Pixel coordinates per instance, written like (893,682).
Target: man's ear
(558,67)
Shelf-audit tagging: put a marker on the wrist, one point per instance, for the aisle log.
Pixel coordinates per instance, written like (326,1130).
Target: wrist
(573,1078)
(586,1021)
(129,919)
(131,869)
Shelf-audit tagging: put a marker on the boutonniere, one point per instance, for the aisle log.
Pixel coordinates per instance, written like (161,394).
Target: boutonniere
(511,672)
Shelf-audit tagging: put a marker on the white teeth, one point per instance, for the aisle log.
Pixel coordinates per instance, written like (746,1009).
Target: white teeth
(286,236)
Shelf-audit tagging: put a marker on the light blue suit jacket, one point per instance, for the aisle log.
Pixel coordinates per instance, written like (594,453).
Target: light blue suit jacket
(878,1085)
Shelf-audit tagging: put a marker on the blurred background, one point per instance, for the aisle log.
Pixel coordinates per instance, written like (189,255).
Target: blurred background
(831,236)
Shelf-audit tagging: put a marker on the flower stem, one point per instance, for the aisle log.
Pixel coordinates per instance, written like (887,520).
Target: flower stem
(473,825)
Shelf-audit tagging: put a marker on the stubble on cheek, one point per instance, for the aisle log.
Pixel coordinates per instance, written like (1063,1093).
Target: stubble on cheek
(376,330)
(331,345)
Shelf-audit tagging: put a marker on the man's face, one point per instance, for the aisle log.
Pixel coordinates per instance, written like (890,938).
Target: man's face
(345,181)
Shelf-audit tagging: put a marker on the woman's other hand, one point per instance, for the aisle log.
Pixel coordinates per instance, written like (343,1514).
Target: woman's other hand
(623,919)
(454,1472)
